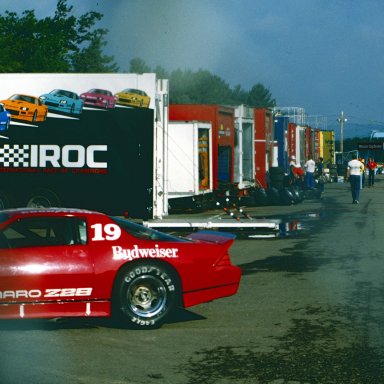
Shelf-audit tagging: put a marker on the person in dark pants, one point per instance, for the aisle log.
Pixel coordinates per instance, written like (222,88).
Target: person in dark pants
(371,165)
(320,174)
(354,174)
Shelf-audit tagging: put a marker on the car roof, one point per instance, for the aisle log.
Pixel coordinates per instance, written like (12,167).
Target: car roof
(30,212)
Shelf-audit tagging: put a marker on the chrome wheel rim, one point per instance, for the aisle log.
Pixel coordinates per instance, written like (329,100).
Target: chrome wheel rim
(147,296)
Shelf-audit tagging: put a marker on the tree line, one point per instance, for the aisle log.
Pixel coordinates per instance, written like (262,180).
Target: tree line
(64,43)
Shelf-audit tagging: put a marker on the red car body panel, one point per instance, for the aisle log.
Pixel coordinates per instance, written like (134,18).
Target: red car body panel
(78,279)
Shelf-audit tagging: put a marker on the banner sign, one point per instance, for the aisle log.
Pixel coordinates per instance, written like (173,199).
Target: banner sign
(372,146)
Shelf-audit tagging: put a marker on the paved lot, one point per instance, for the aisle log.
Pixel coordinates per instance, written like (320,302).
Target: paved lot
(309,310)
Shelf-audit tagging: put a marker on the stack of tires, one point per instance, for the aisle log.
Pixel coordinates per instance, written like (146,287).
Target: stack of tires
(258,196)
(280,192)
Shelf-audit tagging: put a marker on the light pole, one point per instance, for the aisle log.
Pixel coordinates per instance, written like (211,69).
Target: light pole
(342,120)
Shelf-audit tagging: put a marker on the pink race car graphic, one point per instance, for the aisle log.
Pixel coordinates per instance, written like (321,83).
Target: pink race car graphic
(61,262)
(99,98)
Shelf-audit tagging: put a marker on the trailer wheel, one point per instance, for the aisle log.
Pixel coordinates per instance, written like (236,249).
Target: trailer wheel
(5,201)
(145,294)
(43,199)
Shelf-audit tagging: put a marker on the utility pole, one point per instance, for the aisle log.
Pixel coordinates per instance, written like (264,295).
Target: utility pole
(342,120)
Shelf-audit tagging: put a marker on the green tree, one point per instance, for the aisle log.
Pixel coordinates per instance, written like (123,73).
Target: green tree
(198,87)
(138,65)
(203,87)
(84,61)
(260,97)
(62,43)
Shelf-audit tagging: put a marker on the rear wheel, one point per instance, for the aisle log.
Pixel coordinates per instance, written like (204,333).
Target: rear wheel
(146,294)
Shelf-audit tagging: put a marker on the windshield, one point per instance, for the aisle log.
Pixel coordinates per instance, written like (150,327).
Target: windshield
(25,98)
(61,92)
(141,232)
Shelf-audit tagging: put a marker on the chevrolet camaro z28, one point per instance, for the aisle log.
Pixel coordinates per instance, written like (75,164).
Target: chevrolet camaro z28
(60,262)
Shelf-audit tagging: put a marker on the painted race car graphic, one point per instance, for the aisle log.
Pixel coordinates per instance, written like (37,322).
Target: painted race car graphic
(60,100)
(133,98)
(26,107)
(5,118)
(99,98)
(69,262)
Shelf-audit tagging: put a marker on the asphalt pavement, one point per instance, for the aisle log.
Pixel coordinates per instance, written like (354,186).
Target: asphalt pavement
(309,310)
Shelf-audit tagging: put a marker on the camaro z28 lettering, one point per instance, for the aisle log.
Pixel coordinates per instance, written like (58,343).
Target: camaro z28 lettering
(54,292)
(119,253)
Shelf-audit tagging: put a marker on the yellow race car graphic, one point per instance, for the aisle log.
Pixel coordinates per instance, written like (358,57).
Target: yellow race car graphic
(133,98)
(25,107)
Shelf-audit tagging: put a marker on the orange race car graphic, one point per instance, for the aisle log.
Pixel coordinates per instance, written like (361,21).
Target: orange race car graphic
(25,107)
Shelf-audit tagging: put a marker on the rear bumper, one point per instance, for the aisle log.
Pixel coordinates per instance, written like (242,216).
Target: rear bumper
(226,284)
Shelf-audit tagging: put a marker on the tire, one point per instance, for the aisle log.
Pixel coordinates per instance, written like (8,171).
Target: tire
(34,117)
(286,197)
(276,170)
(298,198)
(273,196)
(277,184)
(261,196)
(5,201)
(277,177)
(43,198)
(145,294)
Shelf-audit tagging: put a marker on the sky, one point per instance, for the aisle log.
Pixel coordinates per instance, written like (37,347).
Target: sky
(325,56)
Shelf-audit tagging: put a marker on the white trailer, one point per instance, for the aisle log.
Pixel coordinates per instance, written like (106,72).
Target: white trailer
(189,162)
(244,164)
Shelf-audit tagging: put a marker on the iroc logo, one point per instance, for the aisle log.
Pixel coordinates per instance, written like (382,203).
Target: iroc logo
(51,155)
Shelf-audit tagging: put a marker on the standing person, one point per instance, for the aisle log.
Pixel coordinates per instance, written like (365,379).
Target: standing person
(354,173)
(310,167)
(320,174)
(362,182)
(371,165)
(296,173)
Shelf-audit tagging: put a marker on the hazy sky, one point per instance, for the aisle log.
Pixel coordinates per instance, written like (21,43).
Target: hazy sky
(322,55)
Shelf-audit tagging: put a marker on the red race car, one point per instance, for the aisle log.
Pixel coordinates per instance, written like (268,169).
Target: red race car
(61,262)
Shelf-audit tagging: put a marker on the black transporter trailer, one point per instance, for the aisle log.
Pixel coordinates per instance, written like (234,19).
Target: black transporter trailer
(101,160)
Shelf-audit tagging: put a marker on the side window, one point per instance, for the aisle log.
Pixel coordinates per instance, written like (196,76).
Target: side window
(45,231)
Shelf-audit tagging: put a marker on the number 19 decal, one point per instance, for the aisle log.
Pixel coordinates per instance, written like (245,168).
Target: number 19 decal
(105,232)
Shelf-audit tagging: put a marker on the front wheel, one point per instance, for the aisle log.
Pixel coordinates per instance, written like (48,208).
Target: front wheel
(146,294)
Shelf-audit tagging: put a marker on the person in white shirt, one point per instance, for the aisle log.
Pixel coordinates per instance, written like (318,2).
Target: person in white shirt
(310,167)
(354,173)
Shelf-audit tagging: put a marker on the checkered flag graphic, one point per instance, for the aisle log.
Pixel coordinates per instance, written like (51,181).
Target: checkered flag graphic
(14,155)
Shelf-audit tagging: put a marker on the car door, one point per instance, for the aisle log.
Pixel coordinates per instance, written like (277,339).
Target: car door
(45,258)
